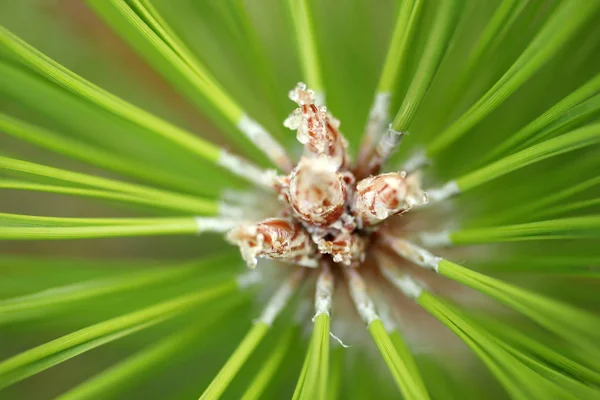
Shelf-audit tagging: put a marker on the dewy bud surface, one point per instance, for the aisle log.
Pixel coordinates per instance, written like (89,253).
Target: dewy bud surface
(379,197)
(276,238)
(317,191)
(316,129)
(325,211)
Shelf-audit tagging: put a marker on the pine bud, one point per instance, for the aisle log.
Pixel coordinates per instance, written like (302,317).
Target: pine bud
(275,238)
(315,128)
(346,248)
(317,192)
(379,197)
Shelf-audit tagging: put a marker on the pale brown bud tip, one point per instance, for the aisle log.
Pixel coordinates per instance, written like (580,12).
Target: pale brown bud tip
(345,248)
(317,192)
(275,238)
(315,128)
(379,197)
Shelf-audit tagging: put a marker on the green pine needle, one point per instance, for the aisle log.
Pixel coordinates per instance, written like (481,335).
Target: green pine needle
(90,92)
(97,228)
(557,229)
(577,139)
(113,380)
(566,21)
(404,375)
(313,380)
(117,197)
(576,106)
(246,347)
(539,207)
(397,57)
(270,366)
(173,200)
(49,354)
(512,367)
(78,150)
(501,101)
(74,293)
(428,64)
(577,326)
(307,45)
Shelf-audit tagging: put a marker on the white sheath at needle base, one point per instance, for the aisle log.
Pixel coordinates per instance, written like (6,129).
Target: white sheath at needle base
(281,297)
(414,253)
(442,193)
(362,301)
(265,142)
(212,224)
(245,169)
(324,292)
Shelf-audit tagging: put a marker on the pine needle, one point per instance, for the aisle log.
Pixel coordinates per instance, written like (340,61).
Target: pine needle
(304,371)
(562,113)
(121,198)
(406,355)
(255,54)
(523,377)
(567,228)
(92,155)
(253,338)
(313,380)
(176,226)
(407,382)
(78,120)
(307,45)
(562,265)
(111,103)
(542,350)
(396,62)
(270,366)
(38,221)
(336,372)
(568,208)
(426,69)
(566,21)
(580,115)
(575,325)
(246,347)
(76,292)
(149,33)
(180,202)
(84,228)
(497,28)
(129,371)
(533,209)
(396,59)
(51,353)
(580,138)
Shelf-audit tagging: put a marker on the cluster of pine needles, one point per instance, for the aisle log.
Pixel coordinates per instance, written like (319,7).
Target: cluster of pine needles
(501,102)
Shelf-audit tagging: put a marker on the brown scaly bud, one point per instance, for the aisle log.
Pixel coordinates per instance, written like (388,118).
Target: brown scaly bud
(275,238)
(345,248)
(315,128)
(317,192)
(379,197)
